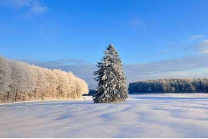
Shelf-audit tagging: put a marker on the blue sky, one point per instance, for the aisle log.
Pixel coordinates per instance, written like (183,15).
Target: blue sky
(76,32)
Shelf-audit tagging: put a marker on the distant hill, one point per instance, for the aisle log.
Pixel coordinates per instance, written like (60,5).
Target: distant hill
(170,86)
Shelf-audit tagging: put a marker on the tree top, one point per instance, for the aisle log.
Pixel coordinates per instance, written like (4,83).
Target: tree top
(110,46)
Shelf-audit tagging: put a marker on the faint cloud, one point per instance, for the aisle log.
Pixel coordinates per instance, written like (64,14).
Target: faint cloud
(33,7)
(37,7)
(137,22)
(61,62)
(190,38)
(196,37)
(180,68)
(188,44)
(15,3)
(165,51)
(186,67)
(202,47)
(26,15)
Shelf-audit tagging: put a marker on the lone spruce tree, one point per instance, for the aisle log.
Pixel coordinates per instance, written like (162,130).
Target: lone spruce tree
(110,77)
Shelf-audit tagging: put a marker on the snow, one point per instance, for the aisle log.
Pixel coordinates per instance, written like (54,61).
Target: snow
(152,115)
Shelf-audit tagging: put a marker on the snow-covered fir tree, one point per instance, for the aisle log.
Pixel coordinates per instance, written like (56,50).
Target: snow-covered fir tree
(110,77)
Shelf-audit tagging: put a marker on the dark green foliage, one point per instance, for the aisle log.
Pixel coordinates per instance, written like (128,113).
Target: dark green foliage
(170,86)
(110,77)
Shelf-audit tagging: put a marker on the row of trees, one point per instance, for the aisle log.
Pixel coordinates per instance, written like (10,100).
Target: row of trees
(170,86)
(20,81)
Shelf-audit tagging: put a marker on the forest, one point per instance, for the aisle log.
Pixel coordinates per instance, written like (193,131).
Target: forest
(170,86)
(20,81)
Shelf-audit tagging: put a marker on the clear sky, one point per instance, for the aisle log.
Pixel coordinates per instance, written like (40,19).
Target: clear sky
(171,35)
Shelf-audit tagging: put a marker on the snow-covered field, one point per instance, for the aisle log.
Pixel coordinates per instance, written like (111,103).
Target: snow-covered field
(155,115)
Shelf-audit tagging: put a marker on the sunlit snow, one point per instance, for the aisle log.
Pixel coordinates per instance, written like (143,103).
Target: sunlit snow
(155,115)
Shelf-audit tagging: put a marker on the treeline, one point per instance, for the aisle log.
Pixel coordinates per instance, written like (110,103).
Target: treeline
(20,81)
(170,86)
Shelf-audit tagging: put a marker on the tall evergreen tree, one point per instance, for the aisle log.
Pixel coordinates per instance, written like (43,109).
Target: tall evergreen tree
(110,77)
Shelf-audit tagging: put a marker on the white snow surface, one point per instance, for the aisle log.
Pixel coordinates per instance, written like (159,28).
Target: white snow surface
(152,115)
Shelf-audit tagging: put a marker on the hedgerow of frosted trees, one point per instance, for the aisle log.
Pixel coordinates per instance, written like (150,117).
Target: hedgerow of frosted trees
(20,81)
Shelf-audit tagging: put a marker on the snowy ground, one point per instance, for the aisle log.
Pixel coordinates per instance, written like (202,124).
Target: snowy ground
(169,115)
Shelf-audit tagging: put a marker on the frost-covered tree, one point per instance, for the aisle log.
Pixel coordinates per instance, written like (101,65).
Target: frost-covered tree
(20,81)
(5,79)
(110,77)
(19,76)
(81,87)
